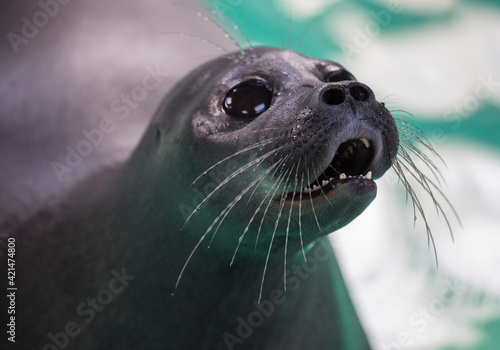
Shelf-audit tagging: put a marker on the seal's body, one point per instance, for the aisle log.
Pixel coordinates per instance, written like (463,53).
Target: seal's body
(213,234)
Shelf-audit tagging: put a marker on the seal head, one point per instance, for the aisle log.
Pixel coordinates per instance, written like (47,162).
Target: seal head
(308,139)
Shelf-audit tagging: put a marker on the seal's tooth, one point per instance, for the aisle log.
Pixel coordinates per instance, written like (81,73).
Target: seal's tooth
(369,175)
(350,148)
(342,176)
(324,182)
(365,141)
(316,187)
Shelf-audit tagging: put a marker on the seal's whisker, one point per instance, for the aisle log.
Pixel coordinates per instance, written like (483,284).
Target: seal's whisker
(416,205)
(321,187)
(399,110)
(303,36)
(422,180)
(282,204)
(275,186)
(253,192)
(255,188)
(197,37)
(201,240)
(289,30)
(216,24)
(404,164)
(312,203)
(236,199)
(279,27)
(404,125)
(264,129)
(334,169)
(413,133)
(407,147)
(393,96)
(230,177)
(405,157)
(407,142)
(410,136)
(288,224)
(189,258)
(235,26)
(300,217)
(280,178)
(423,157)
(408,133)
(246,149)
(256,211)
(439,208)
(316,43)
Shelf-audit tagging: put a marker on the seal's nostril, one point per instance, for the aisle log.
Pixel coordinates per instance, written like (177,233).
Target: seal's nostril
(333,97)
(359,93)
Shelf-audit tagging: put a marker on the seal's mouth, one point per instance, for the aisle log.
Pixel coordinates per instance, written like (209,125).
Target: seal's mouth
(351,162)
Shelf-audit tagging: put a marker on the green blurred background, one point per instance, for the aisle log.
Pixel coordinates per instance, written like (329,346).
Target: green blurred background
(437,64)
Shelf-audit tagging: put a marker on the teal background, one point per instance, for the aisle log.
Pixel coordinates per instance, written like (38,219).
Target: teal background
(464,44)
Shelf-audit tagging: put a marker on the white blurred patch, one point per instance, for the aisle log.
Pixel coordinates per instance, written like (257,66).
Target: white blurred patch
(424,7)
(475,191)
(304,9)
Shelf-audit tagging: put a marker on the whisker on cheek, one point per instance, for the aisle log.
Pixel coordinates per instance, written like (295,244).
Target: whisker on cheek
(406,169)
(275,165)
(276,223)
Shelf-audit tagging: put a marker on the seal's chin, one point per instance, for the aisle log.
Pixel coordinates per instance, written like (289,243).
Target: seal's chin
(350,166)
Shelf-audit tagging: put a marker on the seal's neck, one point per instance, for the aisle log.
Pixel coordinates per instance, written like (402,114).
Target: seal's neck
(312,308)
(231,307)
(218,306)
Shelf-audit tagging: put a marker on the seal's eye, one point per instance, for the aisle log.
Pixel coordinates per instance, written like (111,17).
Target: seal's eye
(339,75)
(248,99)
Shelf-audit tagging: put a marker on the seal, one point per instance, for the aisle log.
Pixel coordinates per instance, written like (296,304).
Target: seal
(213,235)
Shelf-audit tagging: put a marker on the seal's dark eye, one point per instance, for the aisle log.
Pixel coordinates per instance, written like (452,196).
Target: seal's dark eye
(339,75)
(248,99)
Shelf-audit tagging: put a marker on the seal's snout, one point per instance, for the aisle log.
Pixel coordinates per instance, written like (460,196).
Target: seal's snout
(343,139)
(337,94)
